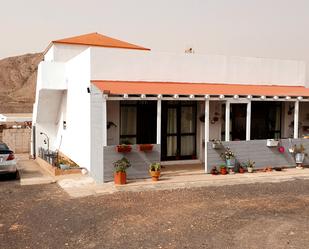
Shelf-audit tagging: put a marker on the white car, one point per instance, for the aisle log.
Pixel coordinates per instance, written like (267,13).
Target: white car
(7,160)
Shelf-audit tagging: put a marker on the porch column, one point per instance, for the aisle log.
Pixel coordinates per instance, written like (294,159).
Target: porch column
(206,131)
(159,107)
(104,121)
(296,118)
(227,121)
(248,122)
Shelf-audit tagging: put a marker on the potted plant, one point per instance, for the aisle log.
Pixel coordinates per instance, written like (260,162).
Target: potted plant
(145,147)
(123,148)
(250,166)
(223,169)
(214,171)
(299,153)
(155,171)
(241,169)
(120,167)
(229,157)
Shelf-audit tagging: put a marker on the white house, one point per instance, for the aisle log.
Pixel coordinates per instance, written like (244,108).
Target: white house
(94,92)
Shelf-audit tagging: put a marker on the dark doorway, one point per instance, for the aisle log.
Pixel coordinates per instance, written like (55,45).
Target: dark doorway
(238,121)
(265,120)
(178,130)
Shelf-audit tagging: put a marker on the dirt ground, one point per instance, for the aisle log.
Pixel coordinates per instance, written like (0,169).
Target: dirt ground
(268,215)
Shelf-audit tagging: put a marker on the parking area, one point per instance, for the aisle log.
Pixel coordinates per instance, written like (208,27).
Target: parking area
(29,172)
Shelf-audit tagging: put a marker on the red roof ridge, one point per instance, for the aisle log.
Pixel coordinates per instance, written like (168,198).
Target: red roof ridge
(148,87)
(99,40)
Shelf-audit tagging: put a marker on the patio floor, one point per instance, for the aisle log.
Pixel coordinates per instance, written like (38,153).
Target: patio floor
(176,177)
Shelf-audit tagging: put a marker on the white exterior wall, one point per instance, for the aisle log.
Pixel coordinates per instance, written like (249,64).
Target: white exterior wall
(76,137)
(49,55)
(51,75)
(136,65)
(53,106)
(63,52)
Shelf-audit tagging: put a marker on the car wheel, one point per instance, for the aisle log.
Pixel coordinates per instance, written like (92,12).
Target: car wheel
(14,175)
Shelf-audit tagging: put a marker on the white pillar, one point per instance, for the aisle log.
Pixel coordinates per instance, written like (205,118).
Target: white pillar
(227,121)
(206,131)
(159,108)
(248,122)
(296,118)
(104,120)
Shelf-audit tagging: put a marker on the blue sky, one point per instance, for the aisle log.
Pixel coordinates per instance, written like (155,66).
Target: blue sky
(260,28)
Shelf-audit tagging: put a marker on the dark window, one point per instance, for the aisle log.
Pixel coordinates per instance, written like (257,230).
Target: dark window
(138,122)
(265,120)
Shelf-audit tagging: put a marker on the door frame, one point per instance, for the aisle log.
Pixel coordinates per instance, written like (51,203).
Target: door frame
(177,105)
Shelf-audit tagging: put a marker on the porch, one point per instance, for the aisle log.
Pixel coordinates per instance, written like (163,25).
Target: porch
(181,128)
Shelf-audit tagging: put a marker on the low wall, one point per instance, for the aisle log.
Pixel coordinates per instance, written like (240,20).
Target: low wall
(17,139)
(257,151)
(139,161)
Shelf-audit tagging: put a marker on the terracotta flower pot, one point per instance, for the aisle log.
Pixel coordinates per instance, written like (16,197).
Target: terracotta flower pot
(155,175)
(241,171)
(123,148)
(223,171)
(145,147)
(120,178)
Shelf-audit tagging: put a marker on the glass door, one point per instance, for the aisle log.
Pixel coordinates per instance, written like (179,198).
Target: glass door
(178,130)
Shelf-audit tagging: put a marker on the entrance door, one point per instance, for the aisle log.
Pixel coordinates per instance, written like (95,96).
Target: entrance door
(178,130)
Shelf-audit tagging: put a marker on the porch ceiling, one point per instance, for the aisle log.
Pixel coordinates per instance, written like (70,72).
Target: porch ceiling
(171,88)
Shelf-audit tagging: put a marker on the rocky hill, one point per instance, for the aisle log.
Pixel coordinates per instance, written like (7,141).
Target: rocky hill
(17,83)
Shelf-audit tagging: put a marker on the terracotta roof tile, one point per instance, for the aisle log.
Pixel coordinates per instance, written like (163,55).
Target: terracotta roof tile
(143,87)
(96,39)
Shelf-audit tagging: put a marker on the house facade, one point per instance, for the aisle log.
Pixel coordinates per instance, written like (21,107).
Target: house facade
(95,92)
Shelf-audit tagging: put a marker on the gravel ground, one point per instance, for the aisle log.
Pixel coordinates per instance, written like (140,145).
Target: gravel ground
(268,215)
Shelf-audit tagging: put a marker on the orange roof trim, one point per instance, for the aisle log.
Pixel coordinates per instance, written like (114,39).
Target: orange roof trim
(144,87)
(96,39)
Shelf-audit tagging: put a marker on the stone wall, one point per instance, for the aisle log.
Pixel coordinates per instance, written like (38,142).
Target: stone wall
(256,150)
(17,139)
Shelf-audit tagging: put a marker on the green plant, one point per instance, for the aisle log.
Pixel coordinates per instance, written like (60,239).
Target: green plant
(155,167)
(121,165)
(222,166)
(249,164)
(227,154)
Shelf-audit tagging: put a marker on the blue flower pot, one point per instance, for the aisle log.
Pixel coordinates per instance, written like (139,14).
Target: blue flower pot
(230,162)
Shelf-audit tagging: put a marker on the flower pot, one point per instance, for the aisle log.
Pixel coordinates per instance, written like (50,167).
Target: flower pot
(223,171)
(230,162)
(123,148)
(299,158)
(155,175)
(241,170)
(250,170)
(120,178)
(272,143)
(214,171)
(145,147)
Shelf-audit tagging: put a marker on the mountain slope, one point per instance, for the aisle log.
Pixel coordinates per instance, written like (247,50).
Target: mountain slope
(17,82)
